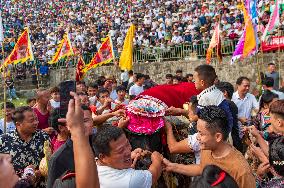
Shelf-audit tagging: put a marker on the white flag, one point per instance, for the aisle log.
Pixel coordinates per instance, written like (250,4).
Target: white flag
(1,29)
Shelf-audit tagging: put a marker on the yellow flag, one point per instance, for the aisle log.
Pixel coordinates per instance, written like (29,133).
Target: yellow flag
(125,61)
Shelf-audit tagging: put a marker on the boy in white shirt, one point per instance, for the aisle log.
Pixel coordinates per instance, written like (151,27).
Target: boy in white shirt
(55,97)
(92,92)
(137,88)
(10,125)
(121,92)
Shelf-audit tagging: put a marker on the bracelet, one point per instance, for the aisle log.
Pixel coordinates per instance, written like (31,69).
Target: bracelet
(28,172)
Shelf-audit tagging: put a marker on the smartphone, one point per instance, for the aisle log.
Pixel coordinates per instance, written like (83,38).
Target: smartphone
(65,88)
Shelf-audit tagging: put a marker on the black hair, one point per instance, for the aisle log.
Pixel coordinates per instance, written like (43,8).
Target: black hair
(80,82)
(120,88)
(100,82)
(276,155)
(139,76)
(104,136)
(206,73)
(30,100)
(130,72)
(277,108)
(178,78)
(268,82)
(179,71)
(19,113)
(184,79)
(189,75)
(241,79)
(53,119)
(8,105)
(266,98)
(147,76)
(226,86)
(101,91)
(94,85)
(271,64)
(210,174)
(216,120)
(54,90)
(169,76)
(194,102)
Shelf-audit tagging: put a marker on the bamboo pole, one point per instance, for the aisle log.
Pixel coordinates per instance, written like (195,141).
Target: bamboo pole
(67,65)
(37,76)
(4,85)
(279,59)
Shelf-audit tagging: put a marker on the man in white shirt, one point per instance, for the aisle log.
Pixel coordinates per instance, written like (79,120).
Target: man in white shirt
(116,161)
(176,38)
(245,101)
(137,88)
(124,77)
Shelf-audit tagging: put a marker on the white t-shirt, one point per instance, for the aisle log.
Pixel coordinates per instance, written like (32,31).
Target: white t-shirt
(126,178)
(113,95)
(93,100)
(135,90)
(10,126)
(195,146)
(54,104)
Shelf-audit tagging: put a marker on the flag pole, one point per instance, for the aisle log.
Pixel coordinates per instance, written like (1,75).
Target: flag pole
(37,76)
(112,51)
(279,60)
(4,85)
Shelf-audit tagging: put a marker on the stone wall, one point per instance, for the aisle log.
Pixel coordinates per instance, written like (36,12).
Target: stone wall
(157,70)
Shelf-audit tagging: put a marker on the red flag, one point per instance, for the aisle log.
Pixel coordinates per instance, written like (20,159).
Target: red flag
(103,56)
(79,69)
(22,50)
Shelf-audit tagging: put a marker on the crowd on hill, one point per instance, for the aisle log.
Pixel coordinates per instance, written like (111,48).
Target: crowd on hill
(159,23)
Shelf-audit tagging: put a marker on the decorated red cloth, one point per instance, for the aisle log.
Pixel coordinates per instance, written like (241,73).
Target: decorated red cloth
(146,115)
(172,95)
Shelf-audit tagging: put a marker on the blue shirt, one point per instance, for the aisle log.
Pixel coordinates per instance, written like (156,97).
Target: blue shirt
(43,69)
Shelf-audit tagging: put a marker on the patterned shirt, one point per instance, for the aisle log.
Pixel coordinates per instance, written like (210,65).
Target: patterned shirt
(23,153)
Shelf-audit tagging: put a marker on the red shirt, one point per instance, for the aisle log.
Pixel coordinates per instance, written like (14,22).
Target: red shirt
(42,119)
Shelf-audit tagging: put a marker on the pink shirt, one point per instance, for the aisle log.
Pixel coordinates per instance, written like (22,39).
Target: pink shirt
(56,144)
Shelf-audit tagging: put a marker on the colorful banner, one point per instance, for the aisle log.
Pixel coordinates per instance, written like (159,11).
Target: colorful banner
(215,42)
(125,61)
(273,21)
(64,50)
(22,51)
(273,44)
(79,69)
(103,56)
(247,44)
(1,29)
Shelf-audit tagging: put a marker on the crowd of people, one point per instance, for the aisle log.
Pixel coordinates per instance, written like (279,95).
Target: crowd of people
(235,138)
(160,23)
